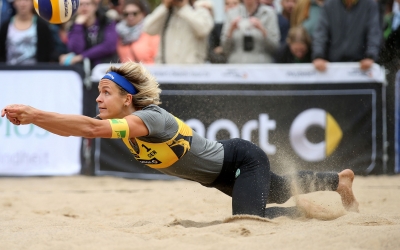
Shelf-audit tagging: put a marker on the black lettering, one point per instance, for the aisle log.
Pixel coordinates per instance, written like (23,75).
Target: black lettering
(147,149)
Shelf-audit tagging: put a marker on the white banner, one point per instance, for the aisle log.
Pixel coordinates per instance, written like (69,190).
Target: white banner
(257,74)
(29,150)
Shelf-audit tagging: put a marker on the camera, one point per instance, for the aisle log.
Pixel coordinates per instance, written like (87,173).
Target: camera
(248,42)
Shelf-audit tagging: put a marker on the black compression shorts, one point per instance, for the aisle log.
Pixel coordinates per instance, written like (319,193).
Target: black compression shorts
(246,177)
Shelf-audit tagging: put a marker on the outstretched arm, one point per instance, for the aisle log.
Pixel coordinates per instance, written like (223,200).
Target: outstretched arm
(69,125)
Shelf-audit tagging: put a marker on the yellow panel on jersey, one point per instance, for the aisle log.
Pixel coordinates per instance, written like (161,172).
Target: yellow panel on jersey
(119,127)
(163,154)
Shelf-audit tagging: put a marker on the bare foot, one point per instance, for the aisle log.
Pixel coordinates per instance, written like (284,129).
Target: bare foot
(345,190)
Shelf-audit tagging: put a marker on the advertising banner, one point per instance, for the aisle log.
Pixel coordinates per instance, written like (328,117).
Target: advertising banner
(312,125)
(27,149)
(397,123)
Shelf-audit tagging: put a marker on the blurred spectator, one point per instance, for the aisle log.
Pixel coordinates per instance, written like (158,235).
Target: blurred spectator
(268,3)
(297,48)
(391,49)
(92,35)
(390,10)
(183,31)
(25,38)
(250,33)
(6,11)
(135,45)
(215,50)
(284,18)
(348,31)
(230,4)
(306,13)
(60,41)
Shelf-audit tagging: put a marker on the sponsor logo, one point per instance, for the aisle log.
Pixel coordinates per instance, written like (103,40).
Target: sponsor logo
(66,3)
(359,72)
(121,134)
(235,74)
(299,73)
(8,130)
(264,124)
(314,151)
(111,76)
(116,121)
(150,161)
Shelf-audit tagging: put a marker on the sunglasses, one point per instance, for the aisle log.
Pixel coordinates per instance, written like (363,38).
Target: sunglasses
(135,13)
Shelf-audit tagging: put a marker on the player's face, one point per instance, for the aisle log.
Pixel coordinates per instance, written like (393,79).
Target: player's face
(110,101)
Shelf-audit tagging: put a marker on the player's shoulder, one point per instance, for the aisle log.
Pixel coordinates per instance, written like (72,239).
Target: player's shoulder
(153,107)
(153,110)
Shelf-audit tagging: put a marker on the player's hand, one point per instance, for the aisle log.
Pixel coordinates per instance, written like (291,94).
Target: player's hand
(19,114)
(366,63)
(320,64)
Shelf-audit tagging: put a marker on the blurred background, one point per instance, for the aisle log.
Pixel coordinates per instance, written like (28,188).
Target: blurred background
(312,82)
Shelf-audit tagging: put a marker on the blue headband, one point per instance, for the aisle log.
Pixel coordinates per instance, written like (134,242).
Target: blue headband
(121,81)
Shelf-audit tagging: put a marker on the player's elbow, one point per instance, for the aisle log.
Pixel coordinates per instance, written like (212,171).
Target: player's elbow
(96,131)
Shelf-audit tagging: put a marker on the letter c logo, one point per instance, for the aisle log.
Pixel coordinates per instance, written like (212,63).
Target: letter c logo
(314,151)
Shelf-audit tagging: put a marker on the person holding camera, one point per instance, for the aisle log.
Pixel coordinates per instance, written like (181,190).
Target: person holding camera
(183,30)
(250,33)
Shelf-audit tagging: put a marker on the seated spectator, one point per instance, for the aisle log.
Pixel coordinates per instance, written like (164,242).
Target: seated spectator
(284,18)
(250,33)
(348,31)
(25,38)
(306,13)
(134,44)
(215,50)
(92,35)
(297,48)
(183,31)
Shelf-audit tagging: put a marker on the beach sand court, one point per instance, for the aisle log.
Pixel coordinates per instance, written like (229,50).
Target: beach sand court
(80,212)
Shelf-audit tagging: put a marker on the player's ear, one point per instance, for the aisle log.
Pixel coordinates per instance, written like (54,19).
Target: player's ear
(128,100)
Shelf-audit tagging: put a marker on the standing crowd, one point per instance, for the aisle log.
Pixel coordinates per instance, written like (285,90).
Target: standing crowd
(184,32)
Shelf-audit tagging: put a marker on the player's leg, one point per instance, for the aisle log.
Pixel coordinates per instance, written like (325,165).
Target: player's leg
(252,184)
(345,190)
(283,187)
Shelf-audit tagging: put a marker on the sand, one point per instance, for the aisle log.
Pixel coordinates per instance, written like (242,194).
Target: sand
(80,212)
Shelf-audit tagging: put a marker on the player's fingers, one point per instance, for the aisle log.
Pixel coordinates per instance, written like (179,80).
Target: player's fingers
(14,121)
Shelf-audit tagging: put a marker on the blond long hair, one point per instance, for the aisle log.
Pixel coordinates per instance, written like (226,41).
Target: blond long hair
(300,12)
(145,84)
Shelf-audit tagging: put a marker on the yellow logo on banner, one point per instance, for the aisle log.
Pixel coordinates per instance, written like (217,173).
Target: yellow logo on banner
(315,151)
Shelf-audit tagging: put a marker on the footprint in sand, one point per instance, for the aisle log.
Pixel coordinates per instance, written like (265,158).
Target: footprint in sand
(370,220)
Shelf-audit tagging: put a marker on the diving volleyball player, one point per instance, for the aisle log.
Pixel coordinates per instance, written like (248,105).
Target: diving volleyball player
(128,110)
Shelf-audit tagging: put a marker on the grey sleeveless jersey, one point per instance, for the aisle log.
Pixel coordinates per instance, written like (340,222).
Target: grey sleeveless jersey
(202,163)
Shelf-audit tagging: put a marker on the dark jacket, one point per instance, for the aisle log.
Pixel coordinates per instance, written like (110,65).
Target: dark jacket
(284,55)
(348,35)
(44,46)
